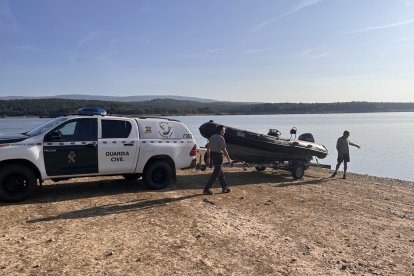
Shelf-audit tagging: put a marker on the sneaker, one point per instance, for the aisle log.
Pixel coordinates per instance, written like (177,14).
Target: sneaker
(344,177)
(226,190)
(208,192)
(333,175)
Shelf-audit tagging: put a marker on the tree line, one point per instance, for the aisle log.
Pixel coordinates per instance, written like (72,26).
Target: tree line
(169,107)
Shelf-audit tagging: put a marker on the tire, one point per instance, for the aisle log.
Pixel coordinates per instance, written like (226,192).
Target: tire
(17,183)
(205,161)
(260,169)
(132,176)
(158,175)
(298,171)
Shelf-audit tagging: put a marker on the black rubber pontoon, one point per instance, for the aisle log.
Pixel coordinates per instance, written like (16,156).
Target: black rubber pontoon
(252,147)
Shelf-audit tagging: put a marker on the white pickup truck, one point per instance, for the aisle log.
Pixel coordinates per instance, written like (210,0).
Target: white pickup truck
(93,144)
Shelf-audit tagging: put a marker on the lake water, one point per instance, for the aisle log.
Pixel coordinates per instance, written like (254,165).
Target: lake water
(385,138)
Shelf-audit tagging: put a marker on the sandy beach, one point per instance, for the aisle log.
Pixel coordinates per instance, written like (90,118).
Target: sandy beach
(269,224)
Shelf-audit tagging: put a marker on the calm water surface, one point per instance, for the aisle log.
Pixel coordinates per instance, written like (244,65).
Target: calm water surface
(386,139)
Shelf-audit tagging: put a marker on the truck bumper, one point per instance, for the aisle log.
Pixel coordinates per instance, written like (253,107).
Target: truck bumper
(192,165)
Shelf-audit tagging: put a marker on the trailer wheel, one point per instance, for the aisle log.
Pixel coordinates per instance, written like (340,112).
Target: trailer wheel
(132,176)
(260,169)
(17,182)
(298,171)
(158,175)
(205,161)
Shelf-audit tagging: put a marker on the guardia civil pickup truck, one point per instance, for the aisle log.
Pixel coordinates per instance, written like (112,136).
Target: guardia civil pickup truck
(93,144)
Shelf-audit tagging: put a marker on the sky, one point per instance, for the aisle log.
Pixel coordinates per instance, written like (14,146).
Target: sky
(232,50)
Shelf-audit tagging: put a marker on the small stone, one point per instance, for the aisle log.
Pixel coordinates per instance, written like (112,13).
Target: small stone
(343,267)
(398,236)
(293,260)
(198,236)
(242,197)
(110,253)
(36,266)
(3,267)
(51,240)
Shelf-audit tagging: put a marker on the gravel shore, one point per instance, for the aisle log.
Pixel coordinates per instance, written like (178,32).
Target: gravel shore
(269,224)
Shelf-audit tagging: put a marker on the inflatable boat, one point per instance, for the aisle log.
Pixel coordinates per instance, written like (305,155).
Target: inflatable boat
(252,147)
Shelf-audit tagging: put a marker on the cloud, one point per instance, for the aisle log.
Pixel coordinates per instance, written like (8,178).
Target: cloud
(8,22)
(77,58)
(92,36)
(145,9)
(257,51)
(29,48)
(315,53)
(130,38)
(299,6)
(262,25)
(215,50)
(382,27)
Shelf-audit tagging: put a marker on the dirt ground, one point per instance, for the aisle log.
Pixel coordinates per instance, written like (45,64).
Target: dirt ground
(269,224)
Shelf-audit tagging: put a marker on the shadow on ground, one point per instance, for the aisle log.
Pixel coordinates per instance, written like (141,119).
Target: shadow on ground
(110,209)
(72,190)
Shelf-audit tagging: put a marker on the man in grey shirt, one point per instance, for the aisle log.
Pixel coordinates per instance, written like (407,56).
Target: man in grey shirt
(216,148)
(342,145)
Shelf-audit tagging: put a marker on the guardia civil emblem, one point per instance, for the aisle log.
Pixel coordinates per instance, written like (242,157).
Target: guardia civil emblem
(71,157)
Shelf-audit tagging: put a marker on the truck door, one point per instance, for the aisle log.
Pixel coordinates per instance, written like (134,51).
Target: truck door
(118,145)
(72,148)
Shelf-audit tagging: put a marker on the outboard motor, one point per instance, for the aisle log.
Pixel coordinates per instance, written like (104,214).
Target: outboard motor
(293,132)
(274,132)
(308,137)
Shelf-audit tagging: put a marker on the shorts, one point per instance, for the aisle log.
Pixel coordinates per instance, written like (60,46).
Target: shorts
(343,158)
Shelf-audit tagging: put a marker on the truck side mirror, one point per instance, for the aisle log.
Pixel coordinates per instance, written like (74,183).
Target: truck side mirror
(54,136)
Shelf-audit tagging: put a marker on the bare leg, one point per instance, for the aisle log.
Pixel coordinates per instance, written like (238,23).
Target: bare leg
(345,168)
(336,170)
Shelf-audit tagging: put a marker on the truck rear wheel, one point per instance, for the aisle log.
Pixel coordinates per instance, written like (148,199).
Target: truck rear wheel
(158,175)
(17,182)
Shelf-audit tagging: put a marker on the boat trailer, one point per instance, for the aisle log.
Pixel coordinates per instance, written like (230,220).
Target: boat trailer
(297,168)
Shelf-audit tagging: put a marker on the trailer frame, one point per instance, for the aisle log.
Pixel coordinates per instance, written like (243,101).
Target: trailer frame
(296,167)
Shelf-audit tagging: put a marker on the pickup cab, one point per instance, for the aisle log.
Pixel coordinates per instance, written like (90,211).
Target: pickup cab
(93,144)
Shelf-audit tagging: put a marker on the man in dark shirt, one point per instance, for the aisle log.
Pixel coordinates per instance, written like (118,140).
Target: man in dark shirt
(342,145)
(216,148)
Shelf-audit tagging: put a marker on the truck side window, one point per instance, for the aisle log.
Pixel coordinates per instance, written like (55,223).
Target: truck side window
(78,130)
(115,129)
(86,130)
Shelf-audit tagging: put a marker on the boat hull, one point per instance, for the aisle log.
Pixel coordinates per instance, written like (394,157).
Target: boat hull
(253,147)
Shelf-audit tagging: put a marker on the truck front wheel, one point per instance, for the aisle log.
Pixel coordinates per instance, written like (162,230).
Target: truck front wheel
(158,175)
(17,182)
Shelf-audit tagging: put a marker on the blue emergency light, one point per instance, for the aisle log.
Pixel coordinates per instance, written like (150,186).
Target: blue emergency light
(92,111)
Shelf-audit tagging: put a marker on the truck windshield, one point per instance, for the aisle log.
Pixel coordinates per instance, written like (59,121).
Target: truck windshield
(46,126)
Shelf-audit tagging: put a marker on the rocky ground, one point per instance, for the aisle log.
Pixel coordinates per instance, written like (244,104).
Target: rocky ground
(269,224)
